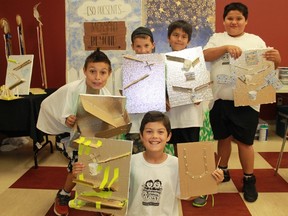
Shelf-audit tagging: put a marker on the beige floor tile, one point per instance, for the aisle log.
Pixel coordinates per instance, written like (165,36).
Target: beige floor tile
(14,202)
(260,162)
(269,204)
(227,187)
(284,174)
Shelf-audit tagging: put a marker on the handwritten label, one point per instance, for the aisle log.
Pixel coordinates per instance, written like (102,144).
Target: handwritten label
(105,35)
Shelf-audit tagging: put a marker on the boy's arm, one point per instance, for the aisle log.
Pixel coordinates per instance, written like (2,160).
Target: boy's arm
(212,54)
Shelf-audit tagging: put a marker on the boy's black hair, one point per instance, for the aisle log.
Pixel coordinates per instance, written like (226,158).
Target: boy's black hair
(182,24)
(97,56)
(236,6)
(142,32)
(155,116)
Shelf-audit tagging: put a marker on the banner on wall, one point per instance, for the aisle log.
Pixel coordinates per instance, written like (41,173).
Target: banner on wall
(160,13)
(124,15)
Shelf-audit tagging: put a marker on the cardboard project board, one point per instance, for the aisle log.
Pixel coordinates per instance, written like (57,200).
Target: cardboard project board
(104,184)
(144,82)
(196,164)
(256,79)
(188,80)
(19,69)
(102,116)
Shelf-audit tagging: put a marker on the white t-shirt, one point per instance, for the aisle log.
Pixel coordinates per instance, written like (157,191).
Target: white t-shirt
(221,66)
(154,188)
(59,105)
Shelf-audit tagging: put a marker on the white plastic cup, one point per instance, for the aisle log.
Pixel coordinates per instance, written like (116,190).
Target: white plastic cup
(93,169)
(263,133)
(252,95)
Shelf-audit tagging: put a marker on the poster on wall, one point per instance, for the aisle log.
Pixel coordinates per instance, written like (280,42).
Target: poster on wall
(160,13)
(126,14)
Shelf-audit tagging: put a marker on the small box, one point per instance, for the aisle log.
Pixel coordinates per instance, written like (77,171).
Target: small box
(280,120)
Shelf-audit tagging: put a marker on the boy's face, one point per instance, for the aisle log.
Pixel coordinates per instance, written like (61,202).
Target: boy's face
(155,137)
(235,23)
(97,74)
(143,45)
(178,39)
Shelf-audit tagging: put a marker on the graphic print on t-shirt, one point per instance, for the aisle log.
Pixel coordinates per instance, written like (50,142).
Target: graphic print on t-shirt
(151,192)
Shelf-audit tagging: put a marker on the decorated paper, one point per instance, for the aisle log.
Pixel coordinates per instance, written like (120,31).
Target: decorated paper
(144,82)
(255,78)
(188,80)
(104,183)
(19,73)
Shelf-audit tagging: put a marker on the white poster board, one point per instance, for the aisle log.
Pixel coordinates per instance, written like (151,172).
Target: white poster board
(19,69)
(188,80)
(144,82)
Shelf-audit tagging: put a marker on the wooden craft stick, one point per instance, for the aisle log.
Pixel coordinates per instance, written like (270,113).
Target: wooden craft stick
(174,58)
(195,62)
(136,81)
(180,88)
(218,162)
(203,86)
(248,69)
(132,58)
(114,158)
(16,84)
(23,65)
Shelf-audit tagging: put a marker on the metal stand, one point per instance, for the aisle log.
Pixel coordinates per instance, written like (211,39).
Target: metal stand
(38,147)
(285,120)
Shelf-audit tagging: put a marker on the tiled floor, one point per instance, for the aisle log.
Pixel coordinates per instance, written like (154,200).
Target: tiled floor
(28,191)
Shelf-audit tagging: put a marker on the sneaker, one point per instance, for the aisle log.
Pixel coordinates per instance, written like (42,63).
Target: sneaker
(61,207)
(249,189)
(226,175)
(200,201)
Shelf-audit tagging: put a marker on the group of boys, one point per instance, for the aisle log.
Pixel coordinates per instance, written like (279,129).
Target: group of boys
(229,123)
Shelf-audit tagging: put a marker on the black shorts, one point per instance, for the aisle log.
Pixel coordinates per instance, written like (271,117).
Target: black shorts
(240,122)
(184,135)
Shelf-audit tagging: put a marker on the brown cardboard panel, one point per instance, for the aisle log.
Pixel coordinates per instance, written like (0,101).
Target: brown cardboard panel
(102,116)
(196,164)
(256,80)
(104,189)
(105,35)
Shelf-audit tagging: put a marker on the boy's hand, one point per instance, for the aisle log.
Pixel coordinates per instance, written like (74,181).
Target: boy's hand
(78,167)
(70,121)
(234,51)
(273,55)
(218,174)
